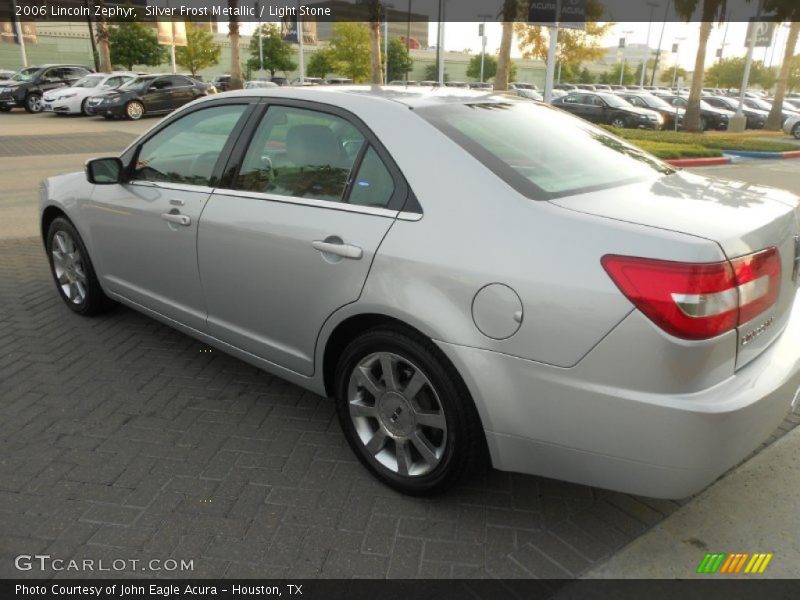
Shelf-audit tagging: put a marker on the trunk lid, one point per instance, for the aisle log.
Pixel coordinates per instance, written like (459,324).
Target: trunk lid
(740,217)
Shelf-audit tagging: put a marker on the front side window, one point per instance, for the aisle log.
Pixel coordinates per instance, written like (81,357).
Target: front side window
(187,150)
(541,151)
(300,153)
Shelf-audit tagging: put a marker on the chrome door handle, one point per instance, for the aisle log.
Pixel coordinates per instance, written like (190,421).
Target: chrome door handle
(177,219)
(343,250)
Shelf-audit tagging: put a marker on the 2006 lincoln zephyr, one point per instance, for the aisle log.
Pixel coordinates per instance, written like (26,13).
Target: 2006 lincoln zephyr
(463,273)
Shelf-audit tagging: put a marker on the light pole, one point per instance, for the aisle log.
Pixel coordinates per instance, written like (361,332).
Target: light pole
(676,51)
(623,41)
(386,8)
(482,34)
(724,43)
(660,41)
(739,122)
(652,6)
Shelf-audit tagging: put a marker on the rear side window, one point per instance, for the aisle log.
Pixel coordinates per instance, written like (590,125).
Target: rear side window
(541,151)
(300,153)
(373,184)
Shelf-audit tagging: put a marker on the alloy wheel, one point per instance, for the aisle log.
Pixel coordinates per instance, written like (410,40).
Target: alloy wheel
(618,123)
(397,414)
(69,268)
(34,103)
(134,110)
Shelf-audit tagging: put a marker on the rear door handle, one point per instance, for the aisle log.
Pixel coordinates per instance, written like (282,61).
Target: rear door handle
(343,250)
(177,219)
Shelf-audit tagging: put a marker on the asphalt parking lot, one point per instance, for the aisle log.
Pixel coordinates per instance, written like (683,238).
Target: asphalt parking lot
(121,438)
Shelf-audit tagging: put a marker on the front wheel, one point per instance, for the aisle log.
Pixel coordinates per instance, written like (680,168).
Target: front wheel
(83,107)
(33,103)
(72,270)
(406,413)
(796,131)
(134,110)
(619,123)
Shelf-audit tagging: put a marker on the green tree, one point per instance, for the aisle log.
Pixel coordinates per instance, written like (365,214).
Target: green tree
(320,64)
(627,71)
(728,73)
(668,75)
(349,45)
(200,51)
(430,73)
(788,10)
(489,68)
(133,43)
(793,79)
(399,62)
(277,52)
(585,76)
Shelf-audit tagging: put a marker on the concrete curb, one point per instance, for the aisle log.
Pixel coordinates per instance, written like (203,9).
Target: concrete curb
(699,162)
(764,155)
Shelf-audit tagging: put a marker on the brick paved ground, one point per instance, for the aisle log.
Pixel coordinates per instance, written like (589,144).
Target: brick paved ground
(121,438)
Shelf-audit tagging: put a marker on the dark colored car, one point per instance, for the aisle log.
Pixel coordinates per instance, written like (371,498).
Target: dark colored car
(711,117)
(759,104)
(152,94)
(222,82)
(756,118)
(643,100)
(27,86)
(609,109)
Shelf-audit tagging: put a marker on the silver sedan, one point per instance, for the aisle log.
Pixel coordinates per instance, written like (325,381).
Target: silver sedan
(468,275)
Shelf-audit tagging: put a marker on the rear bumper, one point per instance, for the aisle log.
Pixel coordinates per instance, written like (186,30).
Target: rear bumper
(552,422)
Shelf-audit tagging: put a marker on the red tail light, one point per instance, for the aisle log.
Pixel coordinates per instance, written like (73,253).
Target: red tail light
(698,301)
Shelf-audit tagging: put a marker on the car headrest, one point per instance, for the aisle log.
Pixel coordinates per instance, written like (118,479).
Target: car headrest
(312,145)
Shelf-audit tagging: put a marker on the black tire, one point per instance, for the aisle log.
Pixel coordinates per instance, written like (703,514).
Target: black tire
(131,111)
(95,300)
(83,108)
(796,131)
(619,122)
(464,447)
(33,103)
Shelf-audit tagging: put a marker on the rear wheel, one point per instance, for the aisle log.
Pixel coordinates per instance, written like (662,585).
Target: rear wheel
(796,131)
(134,110)
(72,270)
(406,413)
(33,103)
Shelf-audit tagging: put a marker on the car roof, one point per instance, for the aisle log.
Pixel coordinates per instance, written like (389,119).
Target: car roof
(351,95)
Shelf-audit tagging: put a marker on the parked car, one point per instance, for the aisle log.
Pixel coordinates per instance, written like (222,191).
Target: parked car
(792,126)
(609,109)
(655,353)
(410,82)
(253,85)
(522,85)
(711,117)
(27,86)
(643,100)
(477,85)
(148,95)
(222,82)
(72,100)
(602,87)
(760,104)
(456,84)
(308,81)
(339,81)
(756,118)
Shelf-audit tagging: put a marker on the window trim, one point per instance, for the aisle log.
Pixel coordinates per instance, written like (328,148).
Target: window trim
(402,201)
(131,154)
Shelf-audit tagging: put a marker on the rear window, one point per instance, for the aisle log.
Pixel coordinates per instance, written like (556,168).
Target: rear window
(542,152)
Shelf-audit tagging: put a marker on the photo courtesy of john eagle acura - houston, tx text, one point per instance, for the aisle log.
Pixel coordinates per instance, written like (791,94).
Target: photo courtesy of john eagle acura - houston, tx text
(629,326)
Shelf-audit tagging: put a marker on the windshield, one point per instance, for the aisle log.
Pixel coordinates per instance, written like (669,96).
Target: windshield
(760,104)
(615,101)
(655,102)
(541,151)
(90,81)
(25,74)
(136,85)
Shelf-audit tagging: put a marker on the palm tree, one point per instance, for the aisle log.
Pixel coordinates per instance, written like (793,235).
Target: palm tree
(713,10)
(103,50)
(375,41)
(510,12)
(237,81)
(775,115)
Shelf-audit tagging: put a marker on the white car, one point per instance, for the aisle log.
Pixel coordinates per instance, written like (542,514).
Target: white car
(72,100)
(792,126)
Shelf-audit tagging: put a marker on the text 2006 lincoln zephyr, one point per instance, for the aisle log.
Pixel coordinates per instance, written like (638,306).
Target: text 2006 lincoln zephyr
(466,274)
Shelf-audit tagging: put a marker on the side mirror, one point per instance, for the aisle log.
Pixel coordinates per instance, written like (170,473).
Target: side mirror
(104,171)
